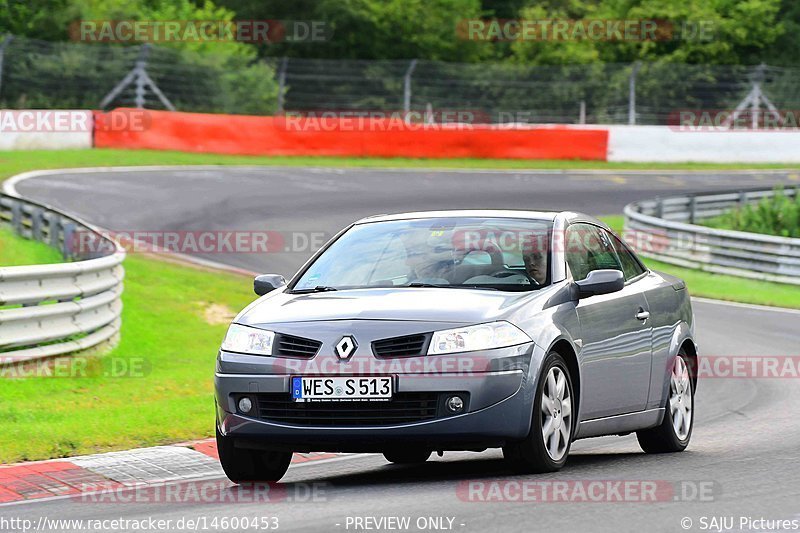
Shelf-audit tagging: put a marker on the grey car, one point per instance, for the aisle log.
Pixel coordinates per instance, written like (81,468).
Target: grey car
(416,333)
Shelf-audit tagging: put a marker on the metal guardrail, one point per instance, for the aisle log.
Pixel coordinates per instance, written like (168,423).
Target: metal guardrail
(56,309)
(665,229)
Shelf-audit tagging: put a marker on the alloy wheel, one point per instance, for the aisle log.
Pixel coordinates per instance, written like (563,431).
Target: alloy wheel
(556,413)
(680,399)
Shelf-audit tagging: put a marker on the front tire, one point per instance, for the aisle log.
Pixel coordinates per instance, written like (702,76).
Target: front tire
(242,465)
(675,431)
(546,447)
(407,457)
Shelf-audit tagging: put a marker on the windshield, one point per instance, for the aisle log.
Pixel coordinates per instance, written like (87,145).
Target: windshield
(493,253)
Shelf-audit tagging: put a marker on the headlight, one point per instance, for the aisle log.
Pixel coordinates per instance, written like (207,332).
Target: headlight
(244,339)
(480,337)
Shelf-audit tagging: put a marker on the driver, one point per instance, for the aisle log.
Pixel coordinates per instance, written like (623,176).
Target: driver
(535,261)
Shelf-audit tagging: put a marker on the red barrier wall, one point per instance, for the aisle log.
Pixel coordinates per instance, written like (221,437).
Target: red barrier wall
(250,135)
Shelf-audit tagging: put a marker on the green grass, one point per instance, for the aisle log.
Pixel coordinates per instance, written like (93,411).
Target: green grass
(15,251)
(19,161)
(164,332)
(720,286)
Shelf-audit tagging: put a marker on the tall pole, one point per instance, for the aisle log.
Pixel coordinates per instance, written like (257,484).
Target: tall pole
(407,87)
(141,68)
(282,82)
(632,94)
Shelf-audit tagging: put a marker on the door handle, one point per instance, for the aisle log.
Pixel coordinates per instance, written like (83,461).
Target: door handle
(642,314)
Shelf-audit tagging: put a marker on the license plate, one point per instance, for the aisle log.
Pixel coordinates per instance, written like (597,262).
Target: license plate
(342,388)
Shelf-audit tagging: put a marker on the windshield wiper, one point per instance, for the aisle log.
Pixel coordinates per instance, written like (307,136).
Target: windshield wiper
(318,288)
(442,286)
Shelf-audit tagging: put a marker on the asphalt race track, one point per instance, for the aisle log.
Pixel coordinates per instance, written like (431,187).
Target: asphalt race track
(323,200)
(745,451)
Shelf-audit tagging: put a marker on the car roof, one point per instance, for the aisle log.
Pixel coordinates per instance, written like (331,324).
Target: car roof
(463,213)
(549,216)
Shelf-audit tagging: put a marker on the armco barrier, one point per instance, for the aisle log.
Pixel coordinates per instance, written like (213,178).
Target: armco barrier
(665,229)
(249,135)
(55,309)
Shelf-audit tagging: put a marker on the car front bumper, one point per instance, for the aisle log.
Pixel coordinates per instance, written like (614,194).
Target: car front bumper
(498,410)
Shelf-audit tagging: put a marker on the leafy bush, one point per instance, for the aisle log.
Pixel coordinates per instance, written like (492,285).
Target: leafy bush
(776,215)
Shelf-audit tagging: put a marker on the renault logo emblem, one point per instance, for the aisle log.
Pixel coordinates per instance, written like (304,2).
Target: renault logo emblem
(346,347)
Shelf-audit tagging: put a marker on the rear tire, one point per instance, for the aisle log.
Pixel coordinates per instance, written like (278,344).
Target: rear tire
(407,457)
(546,447)
(675,431)
(242,465)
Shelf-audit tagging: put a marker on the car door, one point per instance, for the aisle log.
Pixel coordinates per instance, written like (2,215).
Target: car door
(616,336)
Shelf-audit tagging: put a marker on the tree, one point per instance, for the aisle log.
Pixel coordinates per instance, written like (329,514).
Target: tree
(195,74)
(373,29)
(712,31)
(43,19)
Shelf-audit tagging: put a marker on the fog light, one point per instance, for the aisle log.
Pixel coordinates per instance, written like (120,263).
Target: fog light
(455,404)
(245,405)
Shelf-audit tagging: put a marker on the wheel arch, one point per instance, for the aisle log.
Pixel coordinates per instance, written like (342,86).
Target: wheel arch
(565,349)
(689,347)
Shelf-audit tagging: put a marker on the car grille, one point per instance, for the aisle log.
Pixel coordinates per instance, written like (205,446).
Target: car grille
(405,407)
(291,346)
(407,346)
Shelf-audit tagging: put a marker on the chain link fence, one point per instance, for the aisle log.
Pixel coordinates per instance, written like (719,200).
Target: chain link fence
(64,75)
(37,74)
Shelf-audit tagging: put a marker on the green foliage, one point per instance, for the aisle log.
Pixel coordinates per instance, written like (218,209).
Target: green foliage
(45,19)
(249,90)
(742,31)
(373,29)
(735,32)
(776,215)
(196,75)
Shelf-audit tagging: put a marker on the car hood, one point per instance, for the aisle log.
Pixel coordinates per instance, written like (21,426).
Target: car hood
(467,306)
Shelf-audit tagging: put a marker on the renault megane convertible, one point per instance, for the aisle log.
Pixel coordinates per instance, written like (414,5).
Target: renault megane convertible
(417,333)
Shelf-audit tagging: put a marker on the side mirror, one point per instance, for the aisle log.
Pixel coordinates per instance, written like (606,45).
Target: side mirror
(600,282)
(268,282)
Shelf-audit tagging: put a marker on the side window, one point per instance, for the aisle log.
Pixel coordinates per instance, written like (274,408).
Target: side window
(589,248)
(630,265)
